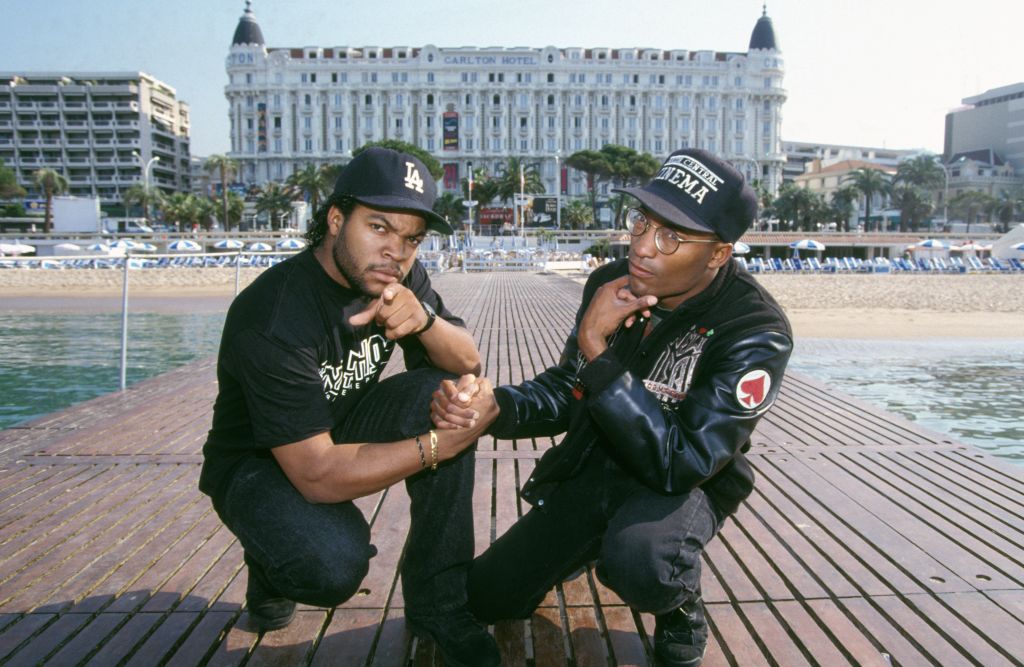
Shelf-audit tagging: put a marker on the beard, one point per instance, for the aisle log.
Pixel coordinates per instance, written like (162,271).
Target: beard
(355,275)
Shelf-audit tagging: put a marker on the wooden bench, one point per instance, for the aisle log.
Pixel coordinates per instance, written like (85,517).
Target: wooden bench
(868,540)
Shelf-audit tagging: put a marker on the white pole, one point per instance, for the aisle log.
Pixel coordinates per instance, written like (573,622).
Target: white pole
(124,323)
(522,199)
(558,194)
(238,269)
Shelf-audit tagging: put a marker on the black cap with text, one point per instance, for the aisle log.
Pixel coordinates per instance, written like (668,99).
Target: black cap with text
(696,190)
(386,179)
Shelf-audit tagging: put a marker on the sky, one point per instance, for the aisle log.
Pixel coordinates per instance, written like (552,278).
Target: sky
(879,73)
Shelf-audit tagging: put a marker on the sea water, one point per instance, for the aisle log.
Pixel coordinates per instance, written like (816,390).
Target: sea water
(972,390)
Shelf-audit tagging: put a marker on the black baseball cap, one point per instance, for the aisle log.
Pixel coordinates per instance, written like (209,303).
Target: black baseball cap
(696,190)
(387,179)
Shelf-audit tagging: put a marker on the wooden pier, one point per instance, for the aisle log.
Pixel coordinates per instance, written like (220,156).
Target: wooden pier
(867,541)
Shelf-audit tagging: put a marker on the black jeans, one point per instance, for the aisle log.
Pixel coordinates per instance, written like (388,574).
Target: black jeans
(647,545)
(318,554)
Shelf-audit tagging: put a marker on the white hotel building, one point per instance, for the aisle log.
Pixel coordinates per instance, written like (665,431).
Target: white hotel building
(98,129)
(294,106)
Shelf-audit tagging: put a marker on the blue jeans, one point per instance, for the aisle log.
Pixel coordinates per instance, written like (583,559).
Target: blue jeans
(318,554)
(647,545)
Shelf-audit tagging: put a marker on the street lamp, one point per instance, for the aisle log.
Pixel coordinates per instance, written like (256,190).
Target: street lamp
(558,191)
(145,176)
(945,192)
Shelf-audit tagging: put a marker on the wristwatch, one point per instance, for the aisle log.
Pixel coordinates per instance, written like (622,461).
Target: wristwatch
(431,316)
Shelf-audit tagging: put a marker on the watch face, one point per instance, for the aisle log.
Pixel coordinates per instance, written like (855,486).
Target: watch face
(430,309)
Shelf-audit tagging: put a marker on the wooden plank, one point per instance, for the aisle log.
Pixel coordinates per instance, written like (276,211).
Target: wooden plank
(20,631)
(86,641)
(349,639)
(43,644)
(123,642)
(200,641)
(291,645)
(172,629)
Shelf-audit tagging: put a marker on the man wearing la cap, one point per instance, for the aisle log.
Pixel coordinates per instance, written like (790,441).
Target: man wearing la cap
(676,354)
(302,425)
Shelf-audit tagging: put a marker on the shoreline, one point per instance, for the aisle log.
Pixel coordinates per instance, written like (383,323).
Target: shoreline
(898,307)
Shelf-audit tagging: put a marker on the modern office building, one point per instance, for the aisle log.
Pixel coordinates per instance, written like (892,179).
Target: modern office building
(469,105)
(993,120)
(99,129)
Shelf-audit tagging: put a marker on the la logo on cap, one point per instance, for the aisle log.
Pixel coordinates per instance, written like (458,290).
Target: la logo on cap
(413,180)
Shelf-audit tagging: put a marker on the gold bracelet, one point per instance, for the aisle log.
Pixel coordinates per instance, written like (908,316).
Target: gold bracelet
(423,459)
(433,451)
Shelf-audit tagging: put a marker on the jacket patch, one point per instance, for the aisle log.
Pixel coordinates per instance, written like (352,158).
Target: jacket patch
(672,373)
(752,388)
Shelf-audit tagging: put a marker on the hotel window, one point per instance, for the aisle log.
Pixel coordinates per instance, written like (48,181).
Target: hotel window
(430,77)
(469,99)
(430,100)
(496,100)
(551,100)
(739,104)
(307,123)
(308,100)
(524,145)
(339,145)
(522,122)
(309,145)
(738,147)
(551,122)
(277,145)
(551,78)
(430,144)
(337,99)
(368,100)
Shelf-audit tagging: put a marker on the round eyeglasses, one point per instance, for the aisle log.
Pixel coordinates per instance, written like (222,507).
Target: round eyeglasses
(665,239)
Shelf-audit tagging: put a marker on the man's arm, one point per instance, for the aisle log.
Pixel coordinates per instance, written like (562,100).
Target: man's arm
(676,450)
(324,472)
(400,312)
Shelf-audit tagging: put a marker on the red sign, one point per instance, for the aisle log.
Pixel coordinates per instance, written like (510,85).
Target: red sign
(495,215)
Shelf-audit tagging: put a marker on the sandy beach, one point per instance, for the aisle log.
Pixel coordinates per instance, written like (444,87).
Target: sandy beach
(900,306)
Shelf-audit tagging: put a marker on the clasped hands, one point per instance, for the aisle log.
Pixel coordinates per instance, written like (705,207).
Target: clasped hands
(464,403)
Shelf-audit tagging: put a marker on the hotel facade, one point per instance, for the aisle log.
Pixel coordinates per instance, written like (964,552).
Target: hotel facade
(97,129)
(290,107)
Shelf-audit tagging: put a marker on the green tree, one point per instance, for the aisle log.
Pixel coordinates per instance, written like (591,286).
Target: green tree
(433,166)
(50,183)
(799,207)
(144,197)
(9,188)
(596,167)
(276,201)
(971,205)
(187,210)
(485,188)
(449,206)
(914,203)
(1006,205)
(870,182)
(921,171)
(577,215)
(628,167)
(312,182)
(842,205)
(508,183)
(225,167)
(236,206)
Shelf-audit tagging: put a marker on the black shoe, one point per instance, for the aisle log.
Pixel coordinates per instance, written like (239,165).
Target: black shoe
(681,636)
(463,642)
(267,611)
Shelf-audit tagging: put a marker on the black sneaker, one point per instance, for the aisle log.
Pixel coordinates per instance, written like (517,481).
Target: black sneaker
(266,611)
(463,642)
(681,636)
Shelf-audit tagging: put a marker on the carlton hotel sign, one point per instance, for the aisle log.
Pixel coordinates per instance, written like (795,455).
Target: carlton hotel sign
(485,59)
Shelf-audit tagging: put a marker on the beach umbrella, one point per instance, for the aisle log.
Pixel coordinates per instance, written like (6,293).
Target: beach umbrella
(16,248)
(98,247)
(228,244)
(807,244)
(260,246)
(971,245)
(66,248)
(184,245)
(144,247)
(740,248)
(123,244)
(1017,246)
(291,244)
(932,244)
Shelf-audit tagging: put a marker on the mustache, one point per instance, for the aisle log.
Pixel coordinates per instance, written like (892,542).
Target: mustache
(391,268)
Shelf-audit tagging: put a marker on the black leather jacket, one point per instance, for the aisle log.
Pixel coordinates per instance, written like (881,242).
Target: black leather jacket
(676,408)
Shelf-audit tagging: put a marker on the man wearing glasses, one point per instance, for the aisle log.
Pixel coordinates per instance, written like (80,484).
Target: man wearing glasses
(676,354)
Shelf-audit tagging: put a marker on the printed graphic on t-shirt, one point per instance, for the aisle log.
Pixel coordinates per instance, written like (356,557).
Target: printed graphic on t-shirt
(360,366)
(672,374)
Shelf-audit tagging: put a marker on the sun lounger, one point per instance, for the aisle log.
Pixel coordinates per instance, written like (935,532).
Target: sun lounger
(1016,264)
(974,264)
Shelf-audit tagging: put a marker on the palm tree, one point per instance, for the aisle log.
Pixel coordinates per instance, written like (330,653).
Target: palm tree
(449,206)
(143,196)
(914,204)
(311,182)
(842,205)
(921,171)
(577,215)
(971,204)
(869,181)
(276,201)
(50,183)
(1006,204)
(226,167)
(799,206)
(509,184)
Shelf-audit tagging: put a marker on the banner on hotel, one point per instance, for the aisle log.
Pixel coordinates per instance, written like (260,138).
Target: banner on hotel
(261,127)
(450,125)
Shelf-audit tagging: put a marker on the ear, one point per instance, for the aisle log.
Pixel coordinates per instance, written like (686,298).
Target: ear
(334,221)
(721,255)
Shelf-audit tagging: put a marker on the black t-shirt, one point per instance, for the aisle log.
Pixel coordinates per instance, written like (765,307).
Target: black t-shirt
(291,366)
